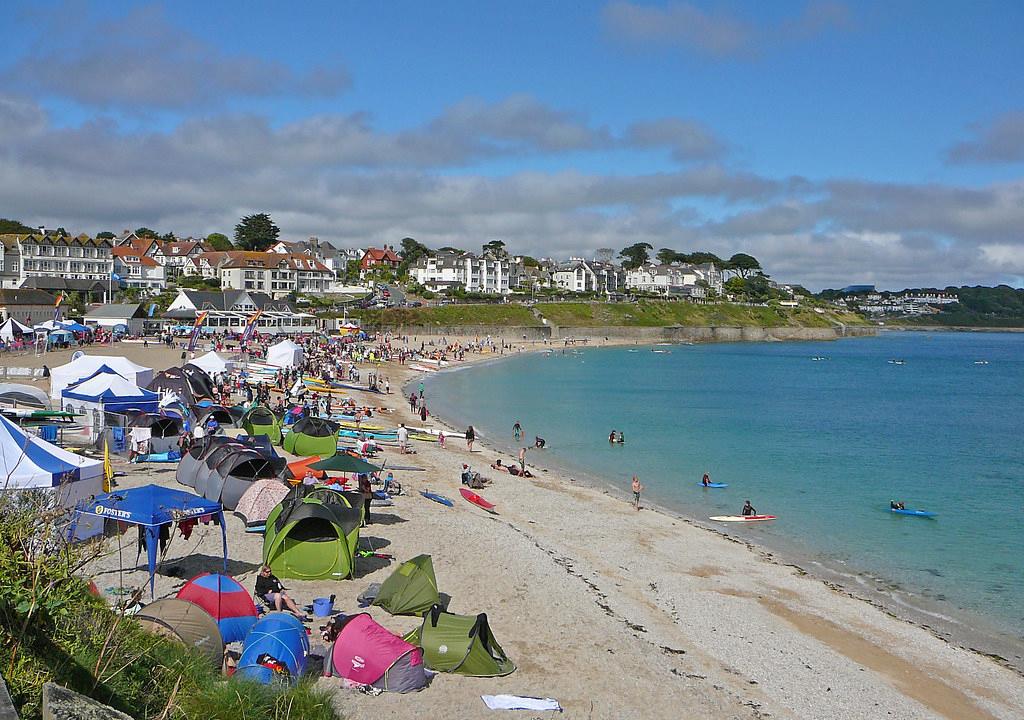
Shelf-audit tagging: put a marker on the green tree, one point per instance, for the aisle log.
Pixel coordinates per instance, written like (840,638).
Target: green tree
(15,226)
(219,241)
(145,232)
(702,256)
(105,235)
(256,232)
(635,255)
(743,265)
(496,248)
(412,250)
(169,237)
(352,271)
(529,261)
(666,256)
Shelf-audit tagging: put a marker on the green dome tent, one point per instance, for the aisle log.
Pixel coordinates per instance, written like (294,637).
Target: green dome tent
(259,420)
(311,540)
(312,436)
(411,589)
(460,644)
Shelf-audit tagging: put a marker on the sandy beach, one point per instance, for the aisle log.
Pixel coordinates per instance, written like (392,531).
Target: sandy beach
(613,612)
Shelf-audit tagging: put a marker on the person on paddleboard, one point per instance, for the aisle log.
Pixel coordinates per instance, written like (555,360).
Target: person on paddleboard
(706,480)
(748,509)
(893,505)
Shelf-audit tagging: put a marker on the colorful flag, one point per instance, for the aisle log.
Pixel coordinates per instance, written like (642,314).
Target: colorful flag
(56,306)
(108,470)
(196,329)
(250,326)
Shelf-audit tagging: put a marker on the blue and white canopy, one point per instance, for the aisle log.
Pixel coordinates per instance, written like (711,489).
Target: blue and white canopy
(78,370)
(152,506)
(110,392)
(27,462)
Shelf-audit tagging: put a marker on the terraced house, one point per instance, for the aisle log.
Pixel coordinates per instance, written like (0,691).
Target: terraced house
(277,274)
(46,258)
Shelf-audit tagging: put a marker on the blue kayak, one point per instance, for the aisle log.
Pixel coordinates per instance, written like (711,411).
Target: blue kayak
(714,485)
(437,498)
(915,513)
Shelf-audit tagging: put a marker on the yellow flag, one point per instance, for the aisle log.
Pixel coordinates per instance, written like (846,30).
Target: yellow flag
(108,470)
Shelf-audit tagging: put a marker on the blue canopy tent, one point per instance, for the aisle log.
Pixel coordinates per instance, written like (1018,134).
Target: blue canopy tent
(110,392)
(75,326)
(151,506)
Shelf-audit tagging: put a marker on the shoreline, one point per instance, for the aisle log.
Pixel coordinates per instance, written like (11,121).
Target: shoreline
(952,625)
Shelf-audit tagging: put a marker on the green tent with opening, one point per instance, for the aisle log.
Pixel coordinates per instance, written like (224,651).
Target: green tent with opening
(460,644)
(312,540)
(312,436)
(411,589)
(259,420)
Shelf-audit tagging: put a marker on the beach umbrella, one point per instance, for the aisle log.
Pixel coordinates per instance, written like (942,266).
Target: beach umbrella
(343,462)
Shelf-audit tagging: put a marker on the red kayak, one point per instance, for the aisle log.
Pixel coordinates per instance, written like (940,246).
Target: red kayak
(477,500)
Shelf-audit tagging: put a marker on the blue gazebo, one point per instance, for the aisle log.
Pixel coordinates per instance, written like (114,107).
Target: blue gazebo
(150,507)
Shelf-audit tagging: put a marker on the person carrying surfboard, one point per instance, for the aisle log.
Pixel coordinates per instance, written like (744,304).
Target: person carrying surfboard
(748,509)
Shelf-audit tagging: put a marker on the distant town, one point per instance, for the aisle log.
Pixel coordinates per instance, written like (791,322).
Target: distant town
(141,279)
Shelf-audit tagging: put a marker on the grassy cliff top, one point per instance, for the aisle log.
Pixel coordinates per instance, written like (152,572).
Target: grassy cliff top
(647,313)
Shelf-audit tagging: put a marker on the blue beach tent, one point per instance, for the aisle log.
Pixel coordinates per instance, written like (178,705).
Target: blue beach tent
(151,506)
(110,392)
(281,636)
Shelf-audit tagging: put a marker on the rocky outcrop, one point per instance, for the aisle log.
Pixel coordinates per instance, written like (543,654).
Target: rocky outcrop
(59,703)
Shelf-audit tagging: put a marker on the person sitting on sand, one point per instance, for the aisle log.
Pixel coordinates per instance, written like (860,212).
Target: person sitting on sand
(270,589)
(496,465)
(513,470)
(748,509)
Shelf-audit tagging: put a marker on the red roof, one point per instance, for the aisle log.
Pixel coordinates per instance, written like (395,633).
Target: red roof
(376,256)
(131,255)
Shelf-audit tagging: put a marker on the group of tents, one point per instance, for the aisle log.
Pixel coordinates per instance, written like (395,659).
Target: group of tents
(212,610)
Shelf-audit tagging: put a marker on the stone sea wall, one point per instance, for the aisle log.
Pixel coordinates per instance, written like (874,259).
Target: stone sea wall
(638,334)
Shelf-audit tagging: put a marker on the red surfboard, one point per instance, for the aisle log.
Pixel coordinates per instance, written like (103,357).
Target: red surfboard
(477,500)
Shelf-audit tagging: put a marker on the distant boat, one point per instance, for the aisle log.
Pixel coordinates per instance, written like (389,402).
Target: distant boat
(662,352)
(819,357)
(897,362)
(981,362)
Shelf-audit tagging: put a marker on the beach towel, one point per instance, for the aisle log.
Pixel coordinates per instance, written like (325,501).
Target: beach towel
(519,702)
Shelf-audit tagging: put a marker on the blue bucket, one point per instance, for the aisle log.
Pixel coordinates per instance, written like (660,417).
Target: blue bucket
(323,607)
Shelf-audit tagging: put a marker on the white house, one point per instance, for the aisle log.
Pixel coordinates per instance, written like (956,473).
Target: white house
(579,275)
(487,273)
(139,270)
(230,312)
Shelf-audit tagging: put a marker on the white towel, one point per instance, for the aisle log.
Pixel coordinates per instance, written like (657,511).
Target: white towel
(518,702)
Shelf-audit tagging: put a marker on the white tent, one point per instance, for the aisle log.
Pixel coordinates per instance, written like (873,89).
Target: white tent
(27,463)
(108,391)
(12,327)
(211,362)
(284,354)
(24,395)
(87,365)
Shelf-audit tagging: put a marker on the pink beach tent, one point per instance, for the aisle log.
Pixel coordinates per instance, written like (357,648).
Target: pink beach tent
(367,653)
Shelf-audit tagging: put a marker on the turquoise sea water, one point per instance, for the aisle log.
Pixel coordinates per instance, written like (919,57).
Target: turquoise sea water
(822,444)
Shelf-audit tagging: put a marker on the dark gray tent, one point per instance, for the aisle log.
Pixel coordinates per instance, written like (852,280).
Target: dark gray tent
(194,459)
(219,413)
(235,473)
(185,622)
(199,381)
(206,472)
(23,396)
(165,430)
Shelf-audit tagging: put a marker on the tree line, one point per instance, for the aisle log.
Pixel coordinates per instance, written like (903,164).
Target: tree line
(637,254)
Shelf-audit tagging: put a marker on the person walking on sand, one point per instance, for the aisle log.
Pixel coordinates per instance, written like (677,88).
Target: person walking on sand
(637,489)
(470,437)
(522,459)
(517,430)
(403,439)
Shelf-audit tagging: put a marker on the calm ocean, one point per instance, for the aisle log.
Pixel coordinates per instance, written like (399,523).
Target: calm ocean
(823,444)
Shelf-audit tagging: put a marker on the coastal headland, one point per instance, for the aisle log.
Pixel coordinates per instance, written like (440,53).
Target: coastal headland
(615,613)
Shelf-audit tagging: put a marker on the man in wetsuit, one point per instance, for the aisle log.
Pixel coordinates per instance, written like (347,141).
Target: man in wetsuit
(748,509)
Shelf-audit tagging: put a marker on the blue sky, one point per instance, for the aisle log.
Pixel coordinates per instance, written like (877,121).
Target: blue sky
(837,142)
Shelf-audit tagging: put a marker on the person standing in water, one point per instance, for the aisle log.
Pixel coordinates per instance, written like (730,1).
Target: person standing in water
(706,480)
(637,489)
(517,430)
